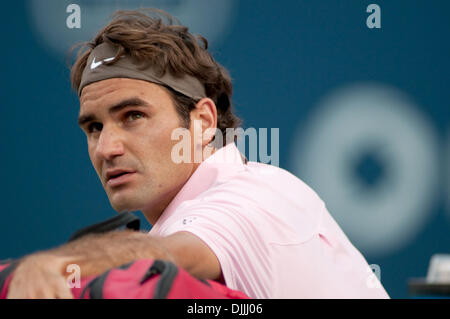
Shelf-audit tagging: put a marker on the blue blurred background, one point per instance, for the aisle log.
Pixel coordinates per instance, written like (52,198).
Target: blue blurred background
(363,116)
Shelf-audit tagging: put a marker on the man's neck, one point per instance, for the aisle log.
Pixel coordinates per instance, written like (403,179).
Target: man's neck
(154,212)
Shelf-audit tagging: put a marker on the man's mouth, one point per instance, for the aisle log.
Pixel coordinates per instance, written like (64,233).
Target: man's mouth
(117,177)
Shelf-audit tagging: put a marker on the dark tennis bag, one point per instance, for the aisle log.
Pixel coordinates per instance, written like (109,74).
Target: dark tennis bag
(140,279)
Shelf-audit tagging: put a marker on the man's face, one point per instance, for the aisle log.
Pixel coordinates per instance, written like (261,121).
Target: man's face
(128,124)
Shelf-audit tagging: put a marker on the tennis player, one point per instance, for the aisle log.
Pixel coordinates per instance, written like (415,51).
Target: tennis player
(252,226)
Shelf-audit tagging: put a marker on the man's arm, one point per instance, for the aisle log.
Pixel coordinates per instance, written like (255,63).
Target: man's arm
(43,275)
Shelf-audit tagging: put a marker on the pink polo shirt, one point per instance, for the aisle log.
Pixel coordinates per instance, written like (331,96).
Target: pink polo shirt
(271,233)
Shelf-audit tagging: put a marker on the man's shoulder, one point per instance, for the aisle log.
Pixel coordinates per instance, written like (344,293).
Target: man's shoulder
(263,182)
(270,195)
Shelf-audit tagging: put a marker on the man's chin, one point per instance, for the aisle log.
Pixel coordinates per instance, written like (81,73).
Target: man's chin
(124,204)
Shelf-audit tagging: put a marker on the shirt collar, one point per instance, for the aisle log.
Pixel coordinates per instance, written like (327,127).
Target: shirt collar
(220,166)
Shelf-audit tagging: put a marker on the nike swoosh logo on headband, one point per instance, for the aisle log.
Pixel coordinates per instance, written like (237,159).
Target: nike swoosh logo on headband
(97,64)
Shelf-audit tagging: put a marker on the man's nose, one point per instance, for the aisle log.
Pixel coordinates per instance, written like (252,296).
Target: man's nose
(110,144)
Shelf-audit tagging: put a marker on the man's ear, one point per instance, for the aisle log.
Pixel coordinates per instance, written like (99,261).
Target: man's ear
(206,112)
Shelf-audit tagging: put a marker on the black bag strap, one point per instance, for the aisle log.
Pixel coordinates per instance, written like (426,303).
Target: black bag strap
(95,287)
(127,219)
(6,261)
(168,272)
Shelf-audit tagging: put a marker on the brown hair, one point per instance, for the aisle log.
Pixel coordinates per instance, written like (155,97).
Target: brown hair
(168,47)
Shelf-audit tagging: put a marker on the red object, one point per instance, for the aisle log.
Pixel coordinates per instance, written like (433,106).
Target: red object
(141,279)
(5,278)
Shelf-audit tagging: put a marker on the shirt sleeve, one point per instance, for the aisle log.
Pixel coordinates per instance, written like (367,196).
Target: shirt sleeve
(234,233)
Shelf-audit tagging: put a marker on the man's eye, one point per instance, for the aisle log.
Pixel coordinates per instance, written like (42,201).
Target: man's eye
(94,127)
(134,115)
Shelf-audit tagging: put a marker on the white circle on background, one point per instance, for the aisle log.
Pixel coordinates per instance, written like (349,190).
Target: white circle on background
(348,123)
(48,18)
